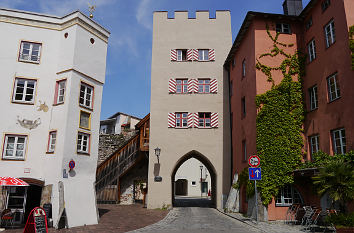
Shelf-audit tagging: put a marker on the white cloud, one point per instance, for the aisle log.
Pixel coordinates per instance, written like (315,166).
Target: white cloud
(144,13)
(124,42)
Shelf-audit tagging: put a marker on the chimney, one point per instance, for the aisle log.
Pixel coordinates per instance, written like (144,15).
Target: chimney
(292,7)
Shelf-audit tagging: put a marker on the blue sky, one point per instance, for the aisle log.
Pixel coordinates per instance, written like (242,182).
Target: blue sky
(127,87)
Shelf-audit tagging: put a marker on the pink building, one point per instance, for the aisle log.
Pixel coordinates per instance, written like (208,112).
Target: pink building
(320,30)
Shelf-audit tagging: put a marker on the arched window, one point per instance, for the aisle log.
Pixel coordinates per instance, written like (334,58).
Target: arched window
(288,195)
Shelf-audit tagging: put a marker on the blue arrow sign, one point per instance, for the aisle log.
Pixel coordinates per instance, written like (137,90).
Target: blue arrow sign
(254,173)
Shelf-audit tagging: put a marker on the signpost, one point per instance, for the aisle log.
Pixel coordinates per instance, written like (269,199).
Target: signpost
(255,173)
(36,222)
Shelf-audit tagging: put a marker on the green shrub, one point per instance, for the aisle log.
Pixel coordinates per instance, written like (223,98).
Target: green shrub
(341,220)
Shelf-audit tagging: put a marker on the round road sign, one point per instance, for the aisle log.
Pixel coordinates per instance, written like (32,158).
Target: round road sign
(254,161)
(72,164)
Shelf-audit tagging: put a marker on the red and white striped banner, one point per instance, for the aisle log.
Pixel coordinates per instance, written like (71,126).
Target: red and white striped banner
(213,86)
(191,120)
(190,55)
(172,85)
(173,54)
(171,120)
(195,55)
(214,120)
(192,85)
(211,55)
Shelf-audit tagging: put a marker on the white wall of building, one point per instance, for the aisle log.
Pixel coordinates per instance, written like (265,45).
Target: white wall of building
(75,59)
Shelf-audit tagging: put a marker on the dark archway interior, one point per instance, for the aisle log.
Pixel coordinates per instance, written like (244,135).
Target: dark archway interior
(211,169)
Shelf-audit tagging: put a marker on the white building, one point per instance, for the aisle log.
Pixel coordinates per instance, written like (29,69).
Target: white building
(115,123)
(52,73)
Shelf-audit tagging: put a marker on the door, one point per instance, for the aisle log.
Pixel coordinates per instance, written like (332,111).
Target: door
(16,201)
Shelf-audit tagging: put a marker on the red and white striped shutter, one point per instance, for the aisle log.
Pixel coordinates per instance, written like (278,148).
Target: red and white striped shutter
(195,85)
(213,86)
(171,120)
(214,120)
(172,85)
(211,55)
(190,120)
(195,55)
(173,54)
(196,120)
(192,86)
(189,54)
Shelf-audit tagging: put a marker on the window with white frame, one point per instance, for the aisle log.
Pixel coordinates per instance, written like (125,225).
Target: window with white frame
(181,54)
(60,91)
(313,98)
(204,119)
(325,4)
(244,68)
(52,141)
(314,144)
(24,90)
(309,23)
(339,143)
(282,28)
(203,85)
(333,87)
(181,120)
(30,52)
(86,95)
(287,196)
(83,142)
(311,47)
(203,54)
(15,147)
(181,85)
(330,33)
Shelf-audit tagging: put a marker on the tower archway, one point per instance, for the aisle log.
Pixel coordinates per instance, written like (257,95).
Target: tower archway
(207,193)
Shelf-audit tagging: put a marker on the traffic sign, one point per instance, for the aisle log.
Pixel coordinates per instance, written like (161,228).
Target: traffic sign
(254,161)
(254,173)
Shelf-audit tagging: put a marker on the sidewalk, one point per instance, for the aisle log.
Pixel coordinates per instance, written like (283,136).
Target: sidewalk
(268,227)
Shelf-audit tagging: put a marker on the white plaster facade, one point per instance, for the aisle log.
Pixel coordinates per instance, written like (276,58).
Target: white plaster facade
(211,145)
(113,125)
(74,48)
(190,171)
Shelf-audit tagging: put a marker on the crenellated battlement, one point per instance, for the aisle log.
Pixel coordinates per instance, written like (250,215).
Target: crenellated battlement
(184,15)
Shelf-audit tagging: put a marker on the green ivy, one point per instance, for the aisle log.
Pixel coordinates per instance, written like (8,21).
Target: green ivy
(280,120)
(321,159)
(351,43)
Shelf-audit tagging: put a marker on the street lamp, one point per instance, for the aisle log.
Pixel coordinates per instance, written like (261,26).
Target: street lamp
(201,179)
(157,153)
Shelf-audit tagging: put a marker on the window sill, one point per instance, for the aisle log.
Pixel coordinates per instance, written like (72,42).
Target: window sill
(208,127)
(27,61)
(313,110)
(83,153)
(49,152)
(21,102)
(85,107)
(13,159)
(331,101)
(88,129)
(181,127)
(331,45)
(282,205)
(57,104)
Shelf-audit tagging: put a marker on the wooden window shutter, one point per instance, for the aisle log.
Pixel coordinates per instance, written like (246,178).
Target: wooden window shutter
(173,54)
(211,55)
(190,120)
(195,55)
(172,85)
(171,120)
(214,120)
(192,86)
(196,120)
(213,86)
(190,55)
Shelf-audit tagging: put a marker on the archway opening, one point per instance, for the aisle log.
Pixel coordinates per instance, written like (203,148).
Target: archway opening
(193,182)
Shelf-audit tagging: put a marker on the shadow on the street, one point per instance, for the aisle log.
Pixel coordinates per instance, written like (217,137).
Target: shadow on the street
(192,202)
(101,212)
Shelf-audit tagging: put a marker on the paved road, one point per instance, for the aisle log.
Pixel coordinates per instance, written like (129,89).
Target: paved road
(196,220)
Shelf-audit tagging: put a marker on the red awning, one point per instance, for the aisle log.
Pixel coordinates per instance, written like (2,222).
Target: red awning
(11,181)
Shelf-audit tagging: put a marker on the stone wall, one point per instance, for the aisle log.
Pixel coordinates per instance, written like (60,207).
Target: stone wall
(132,182)
(109,143)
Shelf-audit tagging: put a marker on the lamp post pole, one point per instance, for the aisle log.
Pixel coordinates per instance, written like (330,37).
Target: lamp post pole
(201,180)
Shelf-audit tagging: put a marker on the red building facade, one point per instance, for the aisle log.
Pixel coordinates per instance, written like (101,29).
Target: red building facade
(321,32)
